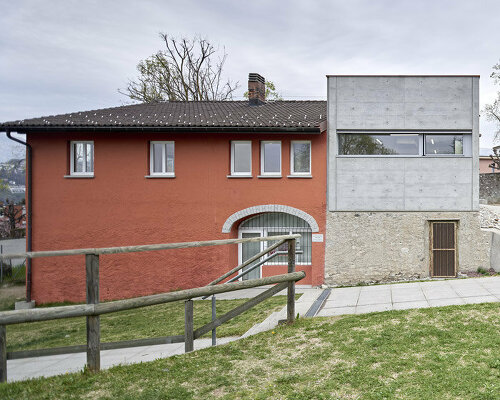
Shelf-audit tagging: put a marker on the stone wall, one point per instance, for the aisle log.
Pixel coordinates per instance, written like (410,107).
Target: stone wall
(383,247)
(489,188)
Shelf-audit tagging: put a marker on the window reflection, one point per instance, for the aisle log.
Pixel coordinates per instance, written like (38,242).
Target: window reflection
(383,144)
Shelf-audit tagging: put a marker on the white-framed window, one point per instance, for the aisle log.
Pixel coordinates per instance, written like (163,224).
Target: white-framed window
(241,158)
(82,158)
(162,158)
(270,158)
(300,157)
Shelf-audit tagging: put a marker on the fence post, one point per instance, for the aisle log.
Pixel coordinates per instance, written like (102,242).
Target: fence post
(214,316)
(188,326)
(3,354)
(93,321)
(290,306)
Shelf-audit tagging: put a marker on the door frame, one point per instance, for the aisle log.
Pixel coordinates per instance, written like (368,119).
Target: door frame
(240,249)
(431,248)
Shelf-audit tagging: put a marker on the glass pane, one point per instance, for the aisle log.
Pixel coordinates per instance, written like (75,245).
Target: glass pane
(78,157)
(272,157)
(157,157)
(301,157)
(249,250)
(241,157)
(170,157)
(386,144)
(282,259)
(90,157)
(444,144)
(274,220)
(303,247)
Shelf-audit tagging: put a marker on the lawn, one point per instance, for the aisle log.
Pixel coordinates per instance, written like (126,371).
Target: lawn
(437,353)
(161,320)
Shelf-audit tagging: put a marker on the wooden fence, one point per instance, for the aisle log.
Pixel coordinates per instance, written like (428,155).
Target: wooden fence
(93,308)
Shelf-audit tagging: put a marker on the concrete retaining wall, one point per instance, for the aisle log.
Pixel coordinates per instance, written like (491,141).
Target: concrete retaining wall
(390,246)
(489,188)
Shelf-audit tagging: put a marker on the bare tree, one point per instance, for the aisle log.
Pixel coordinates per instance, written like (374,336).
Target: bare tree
(14,215)
(492,110)
(187,69)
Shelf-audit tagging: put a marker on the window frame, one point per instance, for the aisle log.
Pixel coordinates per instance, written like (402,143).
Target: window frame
(466,135)
(262,159)
(164,172)
(466,145)
(292,158)
(72,171)
(233,172)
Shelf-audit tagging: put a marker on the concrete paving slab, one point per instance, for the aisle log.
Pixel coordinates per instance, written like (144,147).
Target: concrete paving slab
(480,299)
(363,309)
(342,299)
(406,305)
(407,294)
(446,302)
(375,297)
(330,312)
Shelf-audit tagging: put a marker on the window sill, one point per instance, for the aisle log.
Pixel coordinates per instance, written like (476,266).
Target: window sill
(159,176)
(270,176)
(300,176)
(79,176)
(239,176)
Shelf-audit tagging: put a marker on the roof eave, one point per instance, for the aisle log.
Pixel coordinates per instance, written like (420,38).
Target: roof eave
(242,129)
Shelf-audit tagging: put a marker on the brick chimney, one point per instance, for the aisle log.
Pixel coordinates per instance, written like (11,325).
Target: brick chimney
(256,89)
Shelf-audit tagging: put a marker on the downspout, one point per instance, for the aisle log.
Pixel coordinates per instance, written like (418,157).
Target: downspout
(28,212)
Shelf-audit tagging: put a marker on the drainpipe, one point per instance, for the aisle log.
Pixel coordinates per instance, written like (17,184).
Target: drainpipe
(28,212)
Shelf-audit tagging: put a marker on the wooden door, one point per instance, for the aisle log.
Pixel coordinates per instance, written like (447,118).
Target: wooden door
(443,249)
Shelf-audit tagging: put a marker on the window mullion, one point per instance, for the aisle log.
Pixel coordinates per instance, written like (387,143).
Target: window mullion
(164,158)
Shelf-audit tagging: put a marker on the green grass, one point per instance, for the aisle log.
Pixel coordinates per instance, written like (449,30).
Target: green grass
(438,353)
(161,320)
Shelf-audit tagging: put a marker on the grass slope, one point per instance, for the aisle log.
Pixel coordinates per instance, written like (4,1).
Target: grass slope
(438,353)
(161,320)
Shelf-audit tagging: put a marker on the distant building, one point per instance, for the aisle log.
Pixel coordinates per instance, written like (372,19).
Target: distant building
(485,161)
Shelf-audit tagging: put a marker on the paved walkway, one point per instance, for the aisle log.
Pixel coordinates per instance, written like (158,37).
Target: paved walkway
(401,296)
(353,300)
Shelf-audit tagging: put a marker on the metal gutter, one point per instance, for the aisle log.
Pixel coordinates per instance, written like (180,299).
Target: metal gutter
(29,208)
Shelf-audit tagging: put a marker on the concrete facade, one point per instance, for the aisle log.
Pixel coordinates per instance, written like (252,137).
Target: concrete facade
(380,207)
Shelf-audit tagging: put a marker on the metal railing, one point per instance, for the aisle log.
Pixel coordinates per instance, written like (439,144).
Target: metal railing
(93,308)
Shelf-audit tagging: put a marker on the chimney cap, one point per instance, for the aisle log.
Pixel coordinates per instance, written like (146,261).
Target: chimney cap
(254,77)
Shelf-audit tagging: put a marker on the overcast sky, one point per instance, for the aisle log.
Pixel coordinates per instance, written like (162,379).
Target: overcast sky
(64,56)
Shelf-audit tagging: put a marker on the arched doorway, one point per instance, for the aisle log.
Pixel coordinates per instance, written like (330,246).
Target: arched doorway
(273,224)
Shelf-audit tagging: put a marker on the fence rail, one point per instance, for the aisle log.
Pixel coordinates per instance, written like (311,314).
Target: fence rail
(93,308)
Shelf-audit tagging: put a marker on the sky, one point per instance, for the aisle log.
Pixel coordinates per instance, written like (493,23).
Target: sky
(59,56)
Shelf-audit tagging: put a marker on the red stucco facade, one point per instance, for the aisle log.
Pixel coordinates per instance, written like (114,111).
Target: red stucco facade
(119,206)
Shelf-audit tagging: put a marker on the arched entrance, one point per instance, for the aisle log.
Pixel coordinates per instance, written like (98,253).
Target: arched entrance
(274,224)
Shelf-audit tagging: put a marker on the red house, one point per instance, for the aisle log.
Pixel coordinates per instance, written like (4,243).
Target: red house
(175,172)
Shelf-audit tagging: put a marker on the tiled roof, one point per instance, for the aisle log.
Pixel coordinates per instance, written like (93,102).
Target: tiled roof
(282,115)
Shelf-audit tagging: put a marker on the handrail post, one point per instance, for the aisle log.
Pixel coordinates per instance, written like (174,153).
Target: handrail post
(214,316)
(3,354)
(290,306)
(188,326)
(93,321)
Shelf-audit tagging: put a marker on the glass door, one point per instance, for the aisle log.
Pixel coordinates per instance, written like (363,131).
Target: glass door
(248,250)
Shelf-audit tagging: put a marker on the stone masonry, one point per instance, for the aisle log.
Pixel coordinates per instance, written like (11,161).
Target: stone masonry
(392,246)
